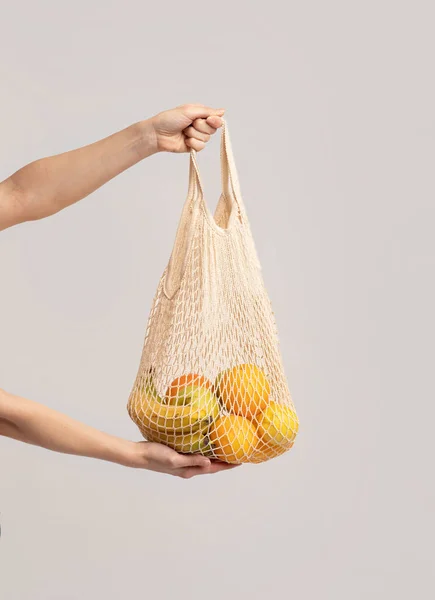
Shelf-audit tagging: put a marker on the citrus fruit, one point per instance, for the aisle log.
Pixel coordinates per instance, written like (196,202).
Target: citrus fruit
(278,424)
(243,390)
(264,452)
(233,438)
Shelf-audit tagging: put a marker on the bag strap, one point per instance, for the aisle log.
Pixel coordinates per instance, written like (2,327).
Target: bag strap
(185,231)
(195,191)
(229,176)
(194,202)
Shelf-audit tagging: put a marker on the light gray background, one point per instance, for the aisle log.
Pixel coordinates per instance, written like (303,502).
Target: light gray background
(330,110)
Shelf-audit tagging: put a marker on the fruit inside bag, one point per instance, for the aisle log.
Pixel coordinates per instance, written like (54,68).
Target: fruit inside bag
(211,378)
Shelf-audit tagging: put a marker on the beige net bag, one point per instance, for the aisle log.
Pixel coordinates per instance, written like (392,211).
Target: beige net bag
(211,378)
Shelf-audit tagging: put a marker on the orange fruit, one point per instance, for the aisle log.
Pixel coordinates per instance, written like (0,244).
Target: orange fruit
(233,438)
(243,390)
(278,424)
(175,390)
(264,452)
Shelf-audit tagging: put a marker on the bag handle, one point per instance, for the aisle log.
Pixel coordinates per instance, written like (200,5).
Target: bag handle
(229,177)
(196,190)
(195,200)
(185,231)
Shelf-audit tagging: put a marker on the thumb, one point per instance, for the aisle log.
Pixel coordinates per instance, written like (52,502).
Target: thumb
(199,111)
(195,460)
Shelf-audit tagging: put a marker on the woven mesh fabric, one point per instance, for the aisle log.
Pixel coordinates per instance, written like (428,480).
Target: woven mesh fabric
(211,378)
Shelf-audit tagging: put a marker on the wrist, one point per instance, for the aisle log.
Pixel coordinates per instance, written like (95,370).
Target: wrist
(147,138)
(129,454)
(122,452)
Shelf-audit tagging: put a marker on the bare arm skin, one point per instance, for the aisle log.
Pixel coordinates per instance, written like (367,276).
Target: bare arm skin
(45,187)
(34,423)
(50,184)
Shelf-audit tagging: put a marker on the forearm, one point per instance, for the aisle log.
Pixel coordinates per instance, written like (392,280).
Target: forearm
(50,184)
(36,424)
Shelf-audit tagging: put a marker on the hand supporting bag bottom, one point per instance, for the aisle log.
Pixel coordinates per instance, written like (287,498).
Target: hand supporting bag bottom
(211,378)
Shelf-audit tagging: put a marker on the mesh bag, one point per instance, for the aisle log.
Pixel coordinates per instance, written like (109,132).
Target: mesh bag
(211,378)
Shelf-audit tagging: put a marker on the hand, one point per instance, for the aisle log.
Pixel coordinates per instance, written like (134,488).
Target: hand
(157,457)
(185,127)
